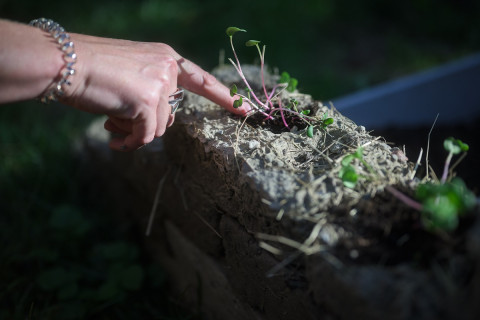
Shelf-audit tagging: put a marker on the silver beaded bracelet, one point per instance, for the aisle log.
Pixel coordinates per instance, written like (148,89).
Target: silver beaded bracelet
(56,90)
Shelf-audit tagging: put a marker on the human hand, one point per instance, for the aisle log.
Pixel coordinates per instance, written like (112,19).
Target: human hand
(131,82)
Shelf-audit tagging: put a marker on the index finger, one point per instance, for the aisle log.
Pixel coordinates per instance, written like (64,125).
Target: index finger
(199,81)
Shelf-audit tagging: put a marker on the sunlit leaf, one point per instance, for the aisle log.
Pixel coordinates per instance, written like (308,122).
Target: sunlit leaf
(232,30)
(310,131)
(327,121)
(347,160)
(455,146)
(306,112)
(443,203)
(359,153)
(252,43)
(237,103)
(349,176)
(233,90)
(284,77)
(292,84)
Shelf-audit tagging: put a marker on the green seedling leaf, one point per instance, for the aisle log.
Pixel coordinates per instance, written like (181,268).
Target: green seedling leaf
(347,160)
(455,146)
(232,30)
(359,153)
(327,122)
(237,103)
(306,112)
(444,203)
(349,176)
(233,90)
(310,131)
(284,77)
(292,85)
(252,43)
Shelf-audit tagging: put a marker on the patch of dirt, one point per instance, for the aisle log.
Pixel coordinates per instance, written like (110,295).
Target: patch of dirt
(273,214)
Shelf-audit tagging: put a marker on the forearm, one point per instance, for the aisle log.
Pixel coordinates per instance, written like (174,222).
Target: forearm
(30,60)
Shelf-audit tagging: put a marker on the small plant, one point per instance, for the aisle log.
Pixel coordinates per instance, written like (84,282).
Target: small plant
(453,146)
(348,173)
(441,203)
(272,107)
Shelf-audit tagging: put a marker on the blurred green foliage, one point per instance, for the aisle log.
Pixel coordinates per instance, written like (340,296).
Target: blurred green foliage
(339,45)
(62,256)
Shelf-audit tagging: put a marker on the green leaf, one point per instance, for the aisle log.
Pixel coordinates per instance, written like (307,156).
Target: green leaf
(440,212)
(292,85)
(237,103)
(252,43)
(443,203)
(306,112)
(327,121)
(233,90)
(310,131)
(284,77)
(455,146)
(359,153)
(347,160)
(349,176)
(232,30)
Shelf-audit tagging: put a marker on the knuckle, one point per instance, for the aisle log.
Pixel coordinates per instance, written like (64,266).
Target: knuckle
(149,98)
(144,140)
(171,64)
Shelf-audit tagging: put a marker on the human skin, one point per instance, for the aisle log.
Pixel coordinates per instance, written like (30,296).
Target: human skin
(128,81)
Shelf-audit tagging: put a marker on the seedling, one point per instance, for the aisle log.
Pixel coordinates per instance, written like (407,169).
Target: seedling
(348,173)
(291,82)
(441,203)
(453,146)
(271,106)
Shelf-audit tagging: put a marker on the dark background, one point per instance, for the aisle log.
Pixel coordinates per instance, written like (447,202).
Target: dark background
(332,47)
(52,236)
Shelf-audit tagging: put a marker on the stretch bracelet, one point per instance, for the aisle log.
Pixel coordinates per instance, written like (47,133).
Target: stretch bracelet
(56,90)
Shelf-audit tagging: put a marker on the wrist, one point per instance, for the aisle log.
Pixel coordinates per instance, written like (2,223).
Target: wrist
(29,61)
(67,47)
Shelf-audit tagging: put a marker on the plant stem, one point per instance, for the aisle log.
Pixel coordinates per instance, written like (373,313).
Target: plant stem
(404,198)
(281,113)
(262,64)
(275,88)
(445,168)
(238,67)
(249,101)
